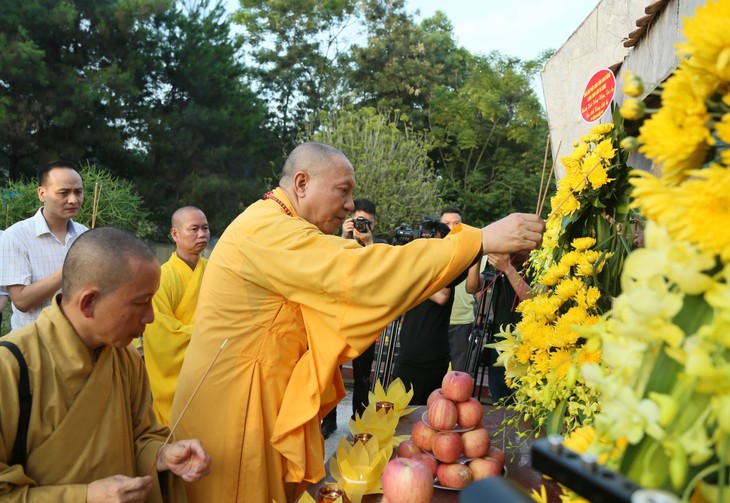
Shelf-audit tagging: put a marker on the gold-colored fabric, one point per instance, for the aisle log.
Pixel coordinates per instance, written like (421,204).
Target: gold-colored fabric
(294,304)
(91,416)
(166,339)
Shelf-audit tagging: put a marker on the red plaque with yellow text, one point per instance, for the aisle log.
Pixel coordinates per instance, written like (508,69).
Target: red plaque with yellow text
(598,95)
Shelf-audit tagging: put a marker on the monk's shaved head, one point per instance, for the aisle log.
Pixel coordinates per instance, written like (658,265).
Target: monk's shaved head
(101,258)
(311,158)
(179,215)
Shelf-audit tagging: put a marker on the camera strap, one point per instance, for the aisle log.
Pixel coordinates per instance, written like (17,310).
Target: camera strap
(25,400)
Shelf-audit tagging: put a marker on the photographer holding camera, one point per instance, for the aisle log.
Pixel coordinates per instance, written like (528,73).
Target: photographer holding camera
(361,223)
(509,289)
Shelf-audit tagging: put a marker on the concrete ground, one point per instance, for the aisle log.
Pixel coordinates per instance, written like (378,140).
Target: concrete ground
(344,411)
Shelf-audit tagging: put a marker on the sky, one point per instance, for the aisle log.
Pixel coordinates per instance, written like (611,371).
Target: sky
(522,28)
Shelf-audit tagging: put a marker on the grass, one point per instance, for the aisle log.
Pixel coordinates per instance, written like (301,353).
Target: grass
(5,327)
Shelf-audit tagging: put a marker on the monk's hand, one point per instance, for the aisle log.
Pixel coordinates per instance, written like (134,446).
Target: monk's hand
(119,488)
(185,458)
(514,233)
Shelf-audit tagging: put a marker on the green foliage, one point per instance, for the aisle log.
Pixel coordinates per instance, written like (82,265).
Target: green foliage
(74,73)
(391,162)
(403,62)
(118,204)
(489,135)
(297,47)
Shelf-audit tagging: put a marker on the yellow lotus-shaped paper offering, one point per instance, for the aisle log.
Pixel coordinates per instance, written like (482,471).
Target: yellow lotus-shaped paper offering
(396,394)
(380,424)
(357,468)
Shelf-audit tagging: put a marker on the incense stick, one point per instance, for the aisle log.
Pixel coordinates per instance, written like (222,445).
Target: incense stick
(95,205)
(547,185)
(584,179)
(174,427)
(542,177)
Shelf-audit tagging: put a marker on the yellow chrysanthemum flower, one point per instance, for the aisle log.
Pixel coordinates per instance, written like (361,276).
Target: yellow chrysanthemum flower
(580,151)
(651,195)
(632,109)
(567,288)
(708,39)
(632,85)
(581,244)
(590,138)
(677,137)
(598,177)
(602,129)
(571,164)
(708,223)
(605,150)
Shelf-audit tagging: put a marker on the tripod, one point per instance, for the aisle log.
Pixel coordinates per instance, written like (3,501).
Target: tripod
(482,332)
(386,353)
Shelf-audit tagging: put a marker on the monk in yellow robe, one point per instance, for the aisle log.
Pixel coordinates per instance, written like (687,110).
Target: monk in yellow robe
(294,302)
(89,433)
(166,339)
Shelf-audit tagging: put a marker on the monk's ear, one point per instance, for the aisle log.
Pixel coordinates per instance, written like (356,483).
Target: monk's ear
(301,180)
(86,302)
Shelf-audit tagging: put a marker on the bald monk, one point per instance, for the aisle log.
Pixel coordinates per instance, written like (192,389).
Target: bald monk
(89,434)
(294,302)
(166,339)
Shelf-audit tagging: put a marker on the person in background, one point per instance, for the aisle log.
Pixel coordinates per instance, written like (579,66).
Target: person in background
(166,339)
(424,354)
(509,289)
(76,422)
(33,249)
(464,304)
(294,301)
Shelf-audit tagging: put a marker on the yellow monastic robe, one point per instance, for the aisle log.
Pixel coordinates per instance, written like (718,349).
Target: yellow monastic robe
(166,339)
(91,416)
(294,304)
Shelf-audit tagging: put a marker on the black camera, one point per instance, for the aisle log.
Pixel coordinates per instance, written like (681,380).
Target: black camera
(362,225)
(428,229)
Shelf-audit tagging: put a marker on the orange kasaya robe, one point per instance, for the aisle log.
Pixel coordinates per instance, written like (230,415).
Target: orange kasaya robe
(90,417)
(294,304)
(166,339)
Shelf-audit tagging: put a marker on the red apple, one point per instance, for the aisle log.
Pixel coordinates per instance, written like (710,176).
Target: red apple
(422,435)
(481,468)
(427,460)
(407,449)
(495,452)
(454,475)
(457,386)
(442,414)
(407,481)
(434,394)
(447,446)
(469,413)
(476,443)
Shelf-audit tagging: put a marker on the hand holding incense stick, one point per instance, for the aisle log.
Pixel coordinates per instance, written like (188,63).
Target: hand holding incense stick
(174,427)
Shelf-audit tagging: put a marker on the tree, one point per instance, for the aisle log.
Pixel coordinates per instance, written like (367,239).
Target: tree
(489,138)
(297,47)
(403,62)
(391,162)
(203,133)
(70,74)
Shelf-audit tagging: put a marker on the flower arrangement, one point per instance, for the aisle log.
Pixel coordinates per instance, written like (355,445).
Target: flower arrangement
(577,268)
(665,376)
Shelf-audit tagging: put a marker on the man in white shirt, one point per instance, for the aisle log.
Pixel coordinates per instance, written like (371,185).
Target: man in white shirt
(33,249)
